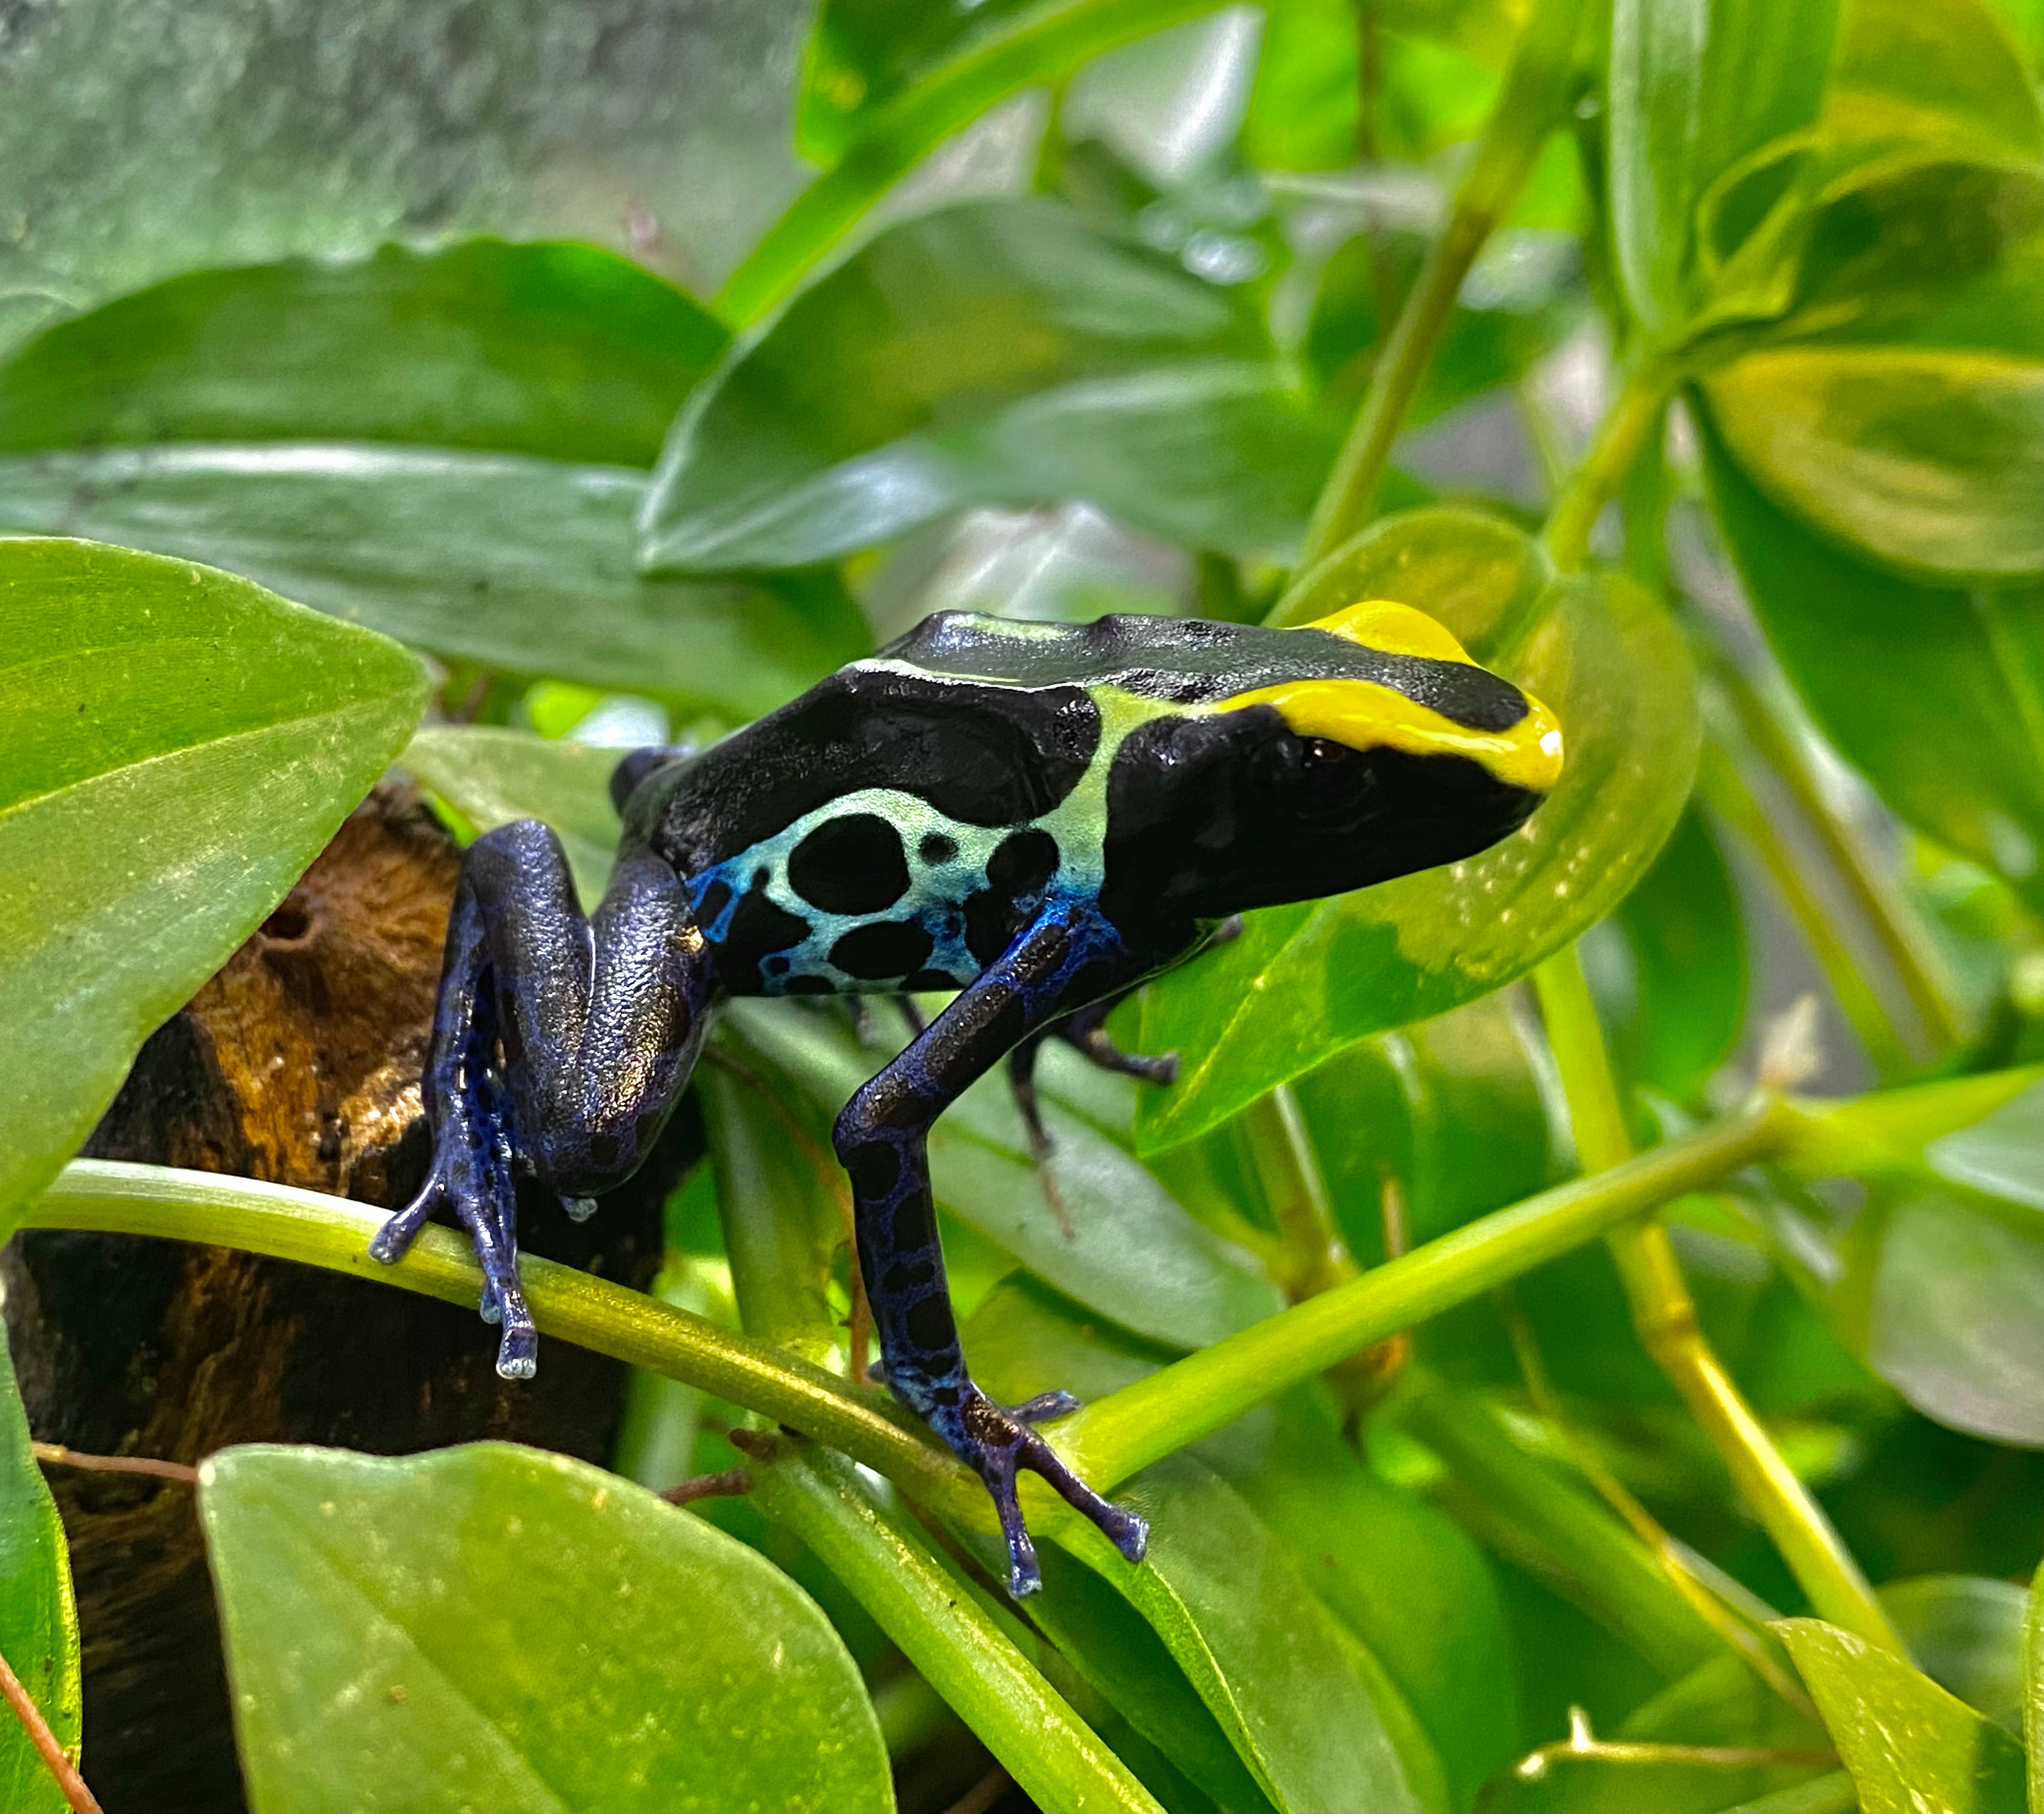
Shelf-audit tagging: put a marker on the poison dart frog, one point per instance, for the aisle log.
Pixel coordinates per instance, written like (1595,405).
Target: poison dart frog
(1037,817)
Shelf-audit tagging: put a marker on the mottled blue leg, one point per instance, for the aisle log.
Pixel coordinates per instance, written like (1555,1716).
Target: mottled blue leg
(1068,957)
(559,1041)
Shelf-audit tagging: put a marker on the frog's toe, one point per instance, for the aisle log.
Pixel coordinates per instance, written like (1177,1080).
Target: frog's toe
(518,1354)
(1000,1444)
(391,1242)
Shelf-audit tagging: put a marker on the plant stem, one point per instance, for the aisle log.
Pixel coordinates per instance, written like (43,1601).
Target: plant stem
(1723,790)
(1638,411)
(1041,46)
(81,1798)
(1901,935)
(1117,1435)
(1529,106)
(943,1627)
(1315,1257)
(1665,1314)
(109,1197)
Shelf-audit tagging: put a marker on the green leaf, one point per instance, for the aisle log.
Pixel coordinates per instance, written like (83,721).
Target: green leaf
(553,349)
(1904,74)
(1671,976)
(1292,1677)
(1471,570)
(492,776)
(1929,459)
(1001,352)
(1451,1108)
(2033,1689)
(180,744)
(1909,1745)
(1090,1220)
(38,1621)
(521,565)
(1966,1632)
(862,53)
(1889,667)
(145,138)
(1304,982)
(1693,90)
(490,1627)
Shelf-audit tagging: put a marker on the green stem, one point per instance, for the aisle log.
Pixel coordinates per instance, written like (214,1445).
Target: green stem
(1664,1315)
(1723,790)
(943,1627)
(1315,1257)
(1041,46)
(1902,937)
(1596,482)
(1531,105)
(1119,1435)
(112,1198)
(1523,1511)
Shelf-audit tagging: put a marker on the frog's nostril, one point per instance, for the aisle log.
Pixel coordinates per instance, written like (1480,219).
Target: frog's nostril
(291,924)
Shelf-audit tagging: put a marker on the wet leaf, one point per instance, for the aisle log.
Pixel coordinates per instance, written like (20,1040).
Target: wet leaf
(419,1633)
(1304,982)
(38,1622)
(521,565)
(180,745)
(1888,666)
(559,350)
(1909,1745)
(1001,352)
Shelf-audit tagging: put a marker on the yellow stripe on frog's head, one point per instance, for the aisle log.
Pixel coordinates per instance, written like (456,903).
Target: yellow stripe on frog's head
(1366,714)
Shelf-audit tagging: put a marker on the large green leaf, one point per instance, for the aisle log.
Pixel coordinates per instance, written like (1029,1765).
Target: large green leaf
(1910,1746)
(2033,1688)
(38,1622)
(998,352)
(559,350)
(1692,89)
(490,1627)
(140,139)
(1304,982)
(518,564)
(179,746)
(1890,667)
(1929,458)
(1965,1633)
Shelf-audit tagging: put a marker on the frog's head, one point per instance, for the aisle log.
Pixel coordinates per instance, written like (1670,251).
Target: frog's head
(1362,747)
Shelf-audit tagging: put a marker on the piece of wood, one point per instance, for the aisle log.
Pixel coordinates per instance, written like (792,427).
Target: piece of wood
(299,1062)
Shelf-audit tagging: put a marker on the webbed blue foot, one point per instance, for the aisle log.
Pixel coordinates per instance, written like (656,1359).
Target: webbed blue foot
(999,1444)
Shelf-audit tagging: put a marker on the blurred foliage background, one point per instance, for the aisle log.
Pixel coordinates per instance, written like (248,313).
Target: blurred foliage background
(633,366)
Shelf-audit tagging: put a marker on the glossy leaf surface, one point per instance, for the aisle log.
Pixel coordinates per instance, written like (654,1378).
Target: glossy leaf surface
(38,1622)
(1891,667)
(1304,982)
(180,745)
(521,565)
(1909,1745)
(425,1633)
(559,350)
(995,353)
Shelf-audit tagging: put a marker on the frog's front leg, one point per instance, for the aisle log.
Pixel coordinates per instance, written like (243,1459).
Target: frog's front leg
(559,1040)
(1069,956)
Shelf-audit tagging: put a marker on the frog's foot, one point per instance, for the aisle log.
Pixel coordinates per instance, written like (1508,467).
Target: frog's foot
(1162,1067)
(999,1444)
(471,1175)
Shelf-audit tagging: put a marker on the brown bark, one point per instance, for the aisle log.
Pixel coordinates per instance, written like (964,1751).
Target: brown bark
(299,1062)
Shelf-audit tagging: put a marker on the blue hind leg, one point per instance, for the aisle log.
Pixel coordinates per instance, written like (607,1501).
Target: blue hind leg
(1065,959)
(560,1043)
